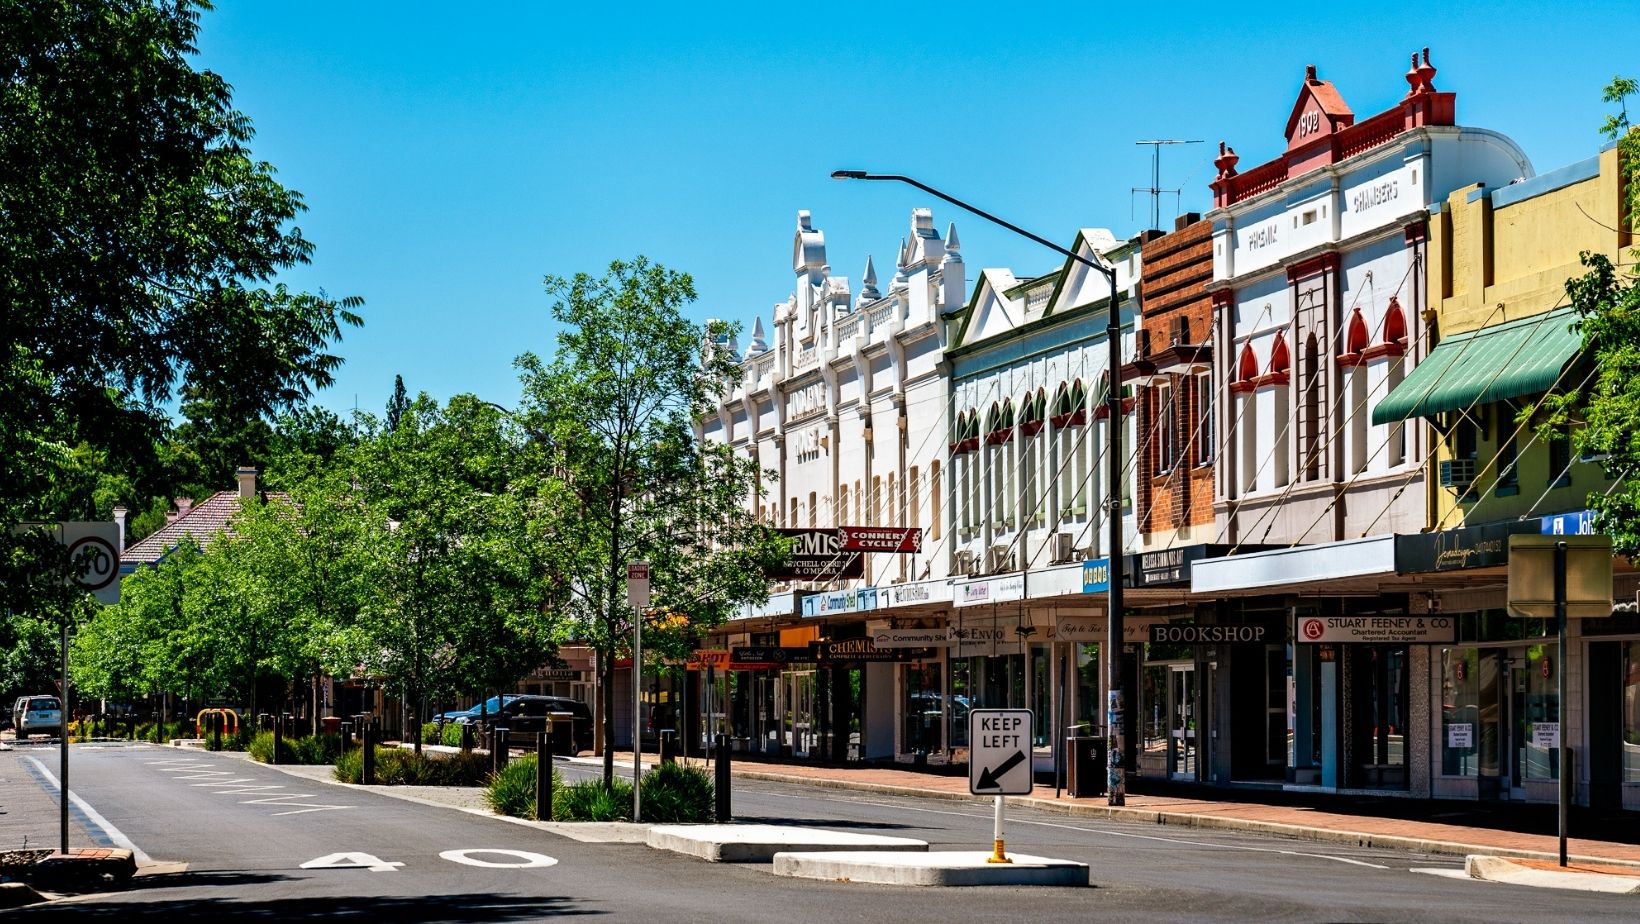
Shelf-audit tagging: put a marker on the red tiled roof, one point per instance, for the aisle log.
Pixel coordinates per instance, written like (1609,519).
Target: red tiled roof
(201,523)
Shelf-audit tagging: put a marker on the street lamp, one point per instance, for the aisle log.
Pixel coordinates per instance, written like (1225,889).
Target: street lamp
(1115,708)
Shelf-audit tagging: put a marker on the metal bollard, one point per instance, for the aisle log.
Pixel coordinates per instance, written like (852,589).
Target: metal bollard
(720,783)
(346,729)
(668,746)
(466,739)
(498,747)
(278,734)
(367,740)
(543,777)
(216,732)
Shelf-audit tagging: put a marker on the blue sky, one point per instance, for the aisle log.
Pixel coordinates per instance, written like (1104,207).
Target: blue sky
(453,155)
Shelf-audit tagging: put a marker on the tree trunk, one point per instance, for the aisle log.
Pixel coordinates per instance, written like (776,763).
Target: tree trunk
(606,678)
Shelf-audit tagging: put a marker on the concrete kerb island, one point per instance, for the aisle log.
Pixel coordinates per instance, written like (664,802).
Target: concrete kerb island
(761,843)
(936,868)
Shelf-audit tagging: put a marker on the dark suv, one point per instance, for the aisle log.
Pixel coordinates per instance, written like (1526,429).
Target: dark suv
(525,716)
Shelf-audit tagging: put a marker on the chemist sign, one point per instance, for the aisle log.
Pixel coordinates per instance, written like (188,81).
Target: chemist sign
(999,754)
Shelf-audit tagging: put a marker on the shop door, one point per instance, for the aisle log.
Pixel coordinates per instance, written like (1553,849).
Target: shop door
(1181,733)
(766,706)
(798,726)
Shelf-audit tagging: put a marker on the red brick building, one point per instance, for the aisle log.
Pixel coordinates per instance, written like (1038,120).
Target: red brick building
(1172,377)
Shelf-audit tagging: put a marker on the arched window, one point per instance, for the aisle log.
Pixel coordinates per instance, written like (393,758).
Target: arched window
(1395,324)
(1356,338)
(1281,362)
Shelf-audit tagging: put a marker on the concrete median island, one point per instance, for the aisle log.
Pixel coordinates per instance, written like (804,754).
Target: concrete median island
(936,868)
(760,843)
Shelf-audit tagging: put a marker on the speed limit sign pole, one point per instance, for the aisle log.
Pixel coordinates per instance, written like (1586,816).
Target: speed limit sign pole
(94,562)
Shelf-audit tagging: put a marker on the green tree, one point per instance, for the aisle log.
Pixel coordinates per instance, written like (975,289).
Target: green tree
(140,241)
(1604,418)
(397,403)
(457,596)
(611,418)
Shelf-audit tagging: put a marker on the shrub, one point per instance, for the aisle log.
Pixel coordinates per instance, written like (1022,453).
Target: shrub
(398,767)
(673,793)
(261,749)
(589,801)
(238,741)
(317,749)
(452,736)
(512,791)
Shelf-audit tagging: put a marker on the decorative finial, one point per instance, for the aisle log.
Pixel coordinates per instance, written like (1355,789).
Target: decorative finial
(1426,74)
(1412,75)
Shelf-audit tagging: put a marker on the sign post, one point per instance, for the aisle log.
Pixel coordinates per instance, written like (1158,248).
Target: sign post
(999,762)
(637,597)
(1580,584)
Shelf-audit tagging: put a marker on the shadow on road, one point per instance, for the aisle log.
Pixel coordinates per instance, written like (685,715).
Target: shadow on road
(472,907)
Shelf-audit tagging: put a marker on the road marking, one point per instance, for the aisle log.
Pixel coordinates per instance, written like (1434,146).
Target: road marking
(302,807)
(353,861)
(1449,872)
(198,770)
(531,860)
(114,834)
(1144,837)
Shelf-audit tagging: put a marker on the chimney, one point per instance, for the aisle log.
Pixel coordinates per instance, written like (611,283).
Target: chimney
(247,481)
(184,504)
(1186,220)
(119,519)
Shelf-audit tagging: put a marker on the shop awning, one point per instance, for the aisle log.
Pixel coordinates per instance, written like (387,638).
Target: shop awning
(1521,357)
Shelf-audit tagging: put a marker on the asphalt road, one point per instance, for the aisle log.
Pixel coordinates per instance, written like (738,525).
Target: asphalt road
(245,832)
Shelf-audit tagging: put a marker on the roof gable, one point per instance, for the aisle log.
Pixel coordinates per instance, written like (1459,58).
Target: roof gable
(1318,112)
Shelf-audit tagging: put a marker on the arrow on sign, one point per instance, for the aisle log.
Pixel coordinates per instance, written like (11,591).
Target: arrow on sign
(988,778)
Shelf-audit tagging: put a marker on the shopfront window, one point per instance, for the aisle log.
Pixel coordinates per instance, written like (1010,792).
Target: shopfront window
(1536,756)
(986,682)
(1460,712)
(922,710)
(1090,710)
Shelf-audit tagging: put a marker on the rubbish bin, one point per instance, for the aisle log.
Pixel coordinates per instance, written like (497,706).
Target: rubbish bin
(1086,766)
(331,724)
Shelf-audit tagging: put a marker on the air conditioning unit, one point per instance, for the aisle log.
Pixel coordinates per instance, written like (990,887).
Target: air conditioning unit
(1457,473)
(1064,547)
(965,561)
(998,560)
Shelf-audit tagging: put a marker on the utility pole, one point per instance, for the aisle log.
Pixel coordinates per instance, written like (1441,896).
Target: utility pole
(1154,189)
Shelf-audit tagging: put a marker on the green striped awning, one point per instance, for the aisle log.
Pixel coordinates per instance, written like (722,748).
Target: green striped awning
(1521,357)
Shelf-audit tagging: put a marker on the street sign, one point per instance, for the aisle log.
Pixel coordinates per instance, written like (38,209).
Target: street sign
(94,549)
(817,555)
(1588,588)
(637,584)
(999,753)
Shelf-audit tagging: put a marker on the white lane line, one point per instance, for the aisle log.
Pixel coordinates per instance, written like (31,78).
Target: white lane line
(1144,837)
(114,834)
(1449,872)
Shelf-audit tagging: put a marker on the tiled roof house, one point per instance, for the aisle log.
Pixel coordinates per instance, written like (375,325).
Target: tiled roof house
(201,522)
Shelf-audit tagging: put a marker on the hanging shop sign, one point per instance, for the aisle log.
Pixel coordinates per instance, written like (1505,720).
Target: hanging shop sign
(816,556)
(1183,633)
(865,649)
(1585,584)
(912,638)
(1384,630)
(993,637)
(991,590)
(896,539)
(830,603)
(716,658)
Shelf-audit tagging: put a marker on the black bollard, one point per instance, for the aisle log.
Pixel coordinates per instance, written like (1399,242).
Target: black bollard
(720,783)
(466,739)
(367,740)
(668,746)
(278,734)
(216,732)
(498,748)
(346,729)
(543,777)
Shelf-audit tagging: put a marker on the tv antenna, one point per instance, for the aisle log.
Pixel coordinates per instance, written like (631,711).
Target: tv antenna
(1154,189)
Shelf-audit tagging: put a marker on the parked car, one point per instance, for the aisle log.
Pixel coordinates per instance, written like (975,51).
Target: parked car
(491,705)
(525,716)
(37,715)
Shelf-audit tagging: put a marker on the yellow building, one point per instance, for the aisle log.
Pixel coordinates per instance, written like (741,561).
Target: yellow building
(1499,260)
